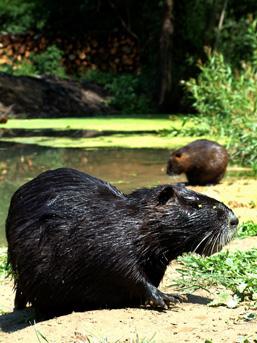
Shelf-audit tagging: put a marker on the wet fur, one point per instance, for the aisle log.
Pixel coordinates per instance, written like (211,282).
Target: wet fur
(203,162)
(76,242)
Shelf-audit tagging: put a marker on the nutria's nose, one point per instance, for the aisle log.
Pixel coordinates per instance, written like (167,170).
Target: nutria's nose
(233,221)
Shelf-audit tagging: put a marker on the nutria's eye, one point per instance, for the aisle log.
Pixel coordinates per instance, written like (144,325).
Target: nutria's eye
(195,205)
(178,154)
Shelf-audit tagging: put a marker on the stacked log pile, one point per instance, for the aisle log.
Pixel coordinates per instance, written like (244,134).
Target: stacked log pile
(116,53)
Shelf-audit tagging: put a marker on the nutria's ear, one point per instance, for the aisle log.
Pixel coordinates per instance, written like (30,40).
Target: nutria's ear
(166,194)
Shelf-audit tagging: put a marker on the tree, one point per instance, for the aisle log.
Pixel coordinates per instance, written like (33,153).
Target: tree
(163,84)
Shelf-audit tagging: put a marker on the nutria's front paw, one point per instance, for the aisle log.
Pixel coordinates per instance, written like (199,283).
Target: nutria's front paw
(157,299)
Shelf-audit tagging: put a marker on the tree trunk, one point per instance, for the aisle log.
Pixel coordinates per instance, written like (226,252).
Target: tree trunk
(165,50)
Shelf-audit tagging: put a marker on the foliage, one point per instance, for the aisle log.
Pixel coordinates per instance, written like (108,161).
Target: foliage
(93,75)
(195,24)
(49,62)
(15,16)
(226,102)
(130,92)
(242,47)
(128,97)
(234,271)
(248,229)
(18,68)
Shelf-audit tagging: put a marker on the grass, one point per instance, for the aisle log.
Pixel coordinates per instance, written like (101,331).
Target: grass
(234,272)
(248,229)
(39,334)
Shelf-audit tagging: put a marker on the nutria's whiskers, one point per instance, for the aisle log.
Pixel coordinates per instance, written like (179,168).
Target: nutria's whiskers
(207,235)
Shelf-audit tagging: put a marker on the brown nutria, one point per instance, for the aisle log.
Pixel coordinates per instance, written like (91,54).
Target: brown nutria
(203,162)
(76,242)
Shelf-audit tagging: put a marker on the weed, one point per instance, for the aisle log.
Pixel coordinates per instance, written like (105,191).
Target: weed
(91,338)
(234,271)
(39,334)
(247,229)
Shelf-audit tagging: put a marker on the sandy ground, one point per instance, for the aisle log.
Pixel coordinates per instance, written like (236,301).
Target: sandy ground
(191,321)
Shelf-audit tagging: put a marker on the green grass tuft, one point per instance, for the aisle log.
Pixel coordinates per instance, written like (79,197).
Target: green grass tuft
(248,229)
(236,272)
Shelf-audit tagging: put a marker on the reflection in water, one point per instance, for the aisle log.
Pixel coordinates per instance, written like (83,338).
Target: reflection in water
(127,169)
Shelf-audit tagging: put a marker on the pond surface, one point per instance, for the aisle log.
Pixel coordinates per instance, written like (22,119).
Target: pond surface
(127,169)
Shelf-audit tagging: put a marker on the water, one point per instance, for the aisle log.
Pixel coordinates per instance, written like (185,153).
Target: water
(127,169)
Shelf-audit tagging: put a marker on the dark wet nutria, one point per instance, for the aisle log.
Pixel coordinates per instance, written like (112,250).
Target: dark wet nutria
(203,162)
(76,242)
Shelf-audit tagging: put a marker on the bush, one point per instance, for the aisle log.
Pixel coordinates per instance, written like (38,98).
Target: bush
(49,62)
(226,101)
(129,92)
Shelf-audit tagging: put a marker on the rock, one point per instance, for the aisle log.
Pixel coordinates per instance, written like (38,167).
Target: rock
(48,96)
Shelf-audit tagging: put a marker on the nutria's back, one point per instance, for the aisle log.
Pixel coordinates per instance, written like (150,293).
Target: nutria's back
(76,242)
(203,162)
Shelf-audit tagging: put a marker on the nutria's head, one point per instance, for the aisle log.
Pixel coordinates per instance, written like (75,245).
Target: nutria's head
(188,221)
(178,162)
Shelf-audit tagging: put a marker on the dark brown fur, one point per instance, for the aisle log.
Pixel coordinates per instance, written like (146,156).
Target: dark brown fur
(203,162)
(76,242)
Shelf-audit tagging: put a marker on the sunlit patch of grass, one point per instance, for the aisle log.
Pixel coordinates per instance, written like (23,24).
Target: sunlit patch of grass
(234,272)
(247,229)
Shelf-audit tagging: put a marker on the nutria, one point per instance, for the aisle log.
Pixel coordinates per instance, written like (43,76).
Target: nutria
(76,242)
(203,162)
